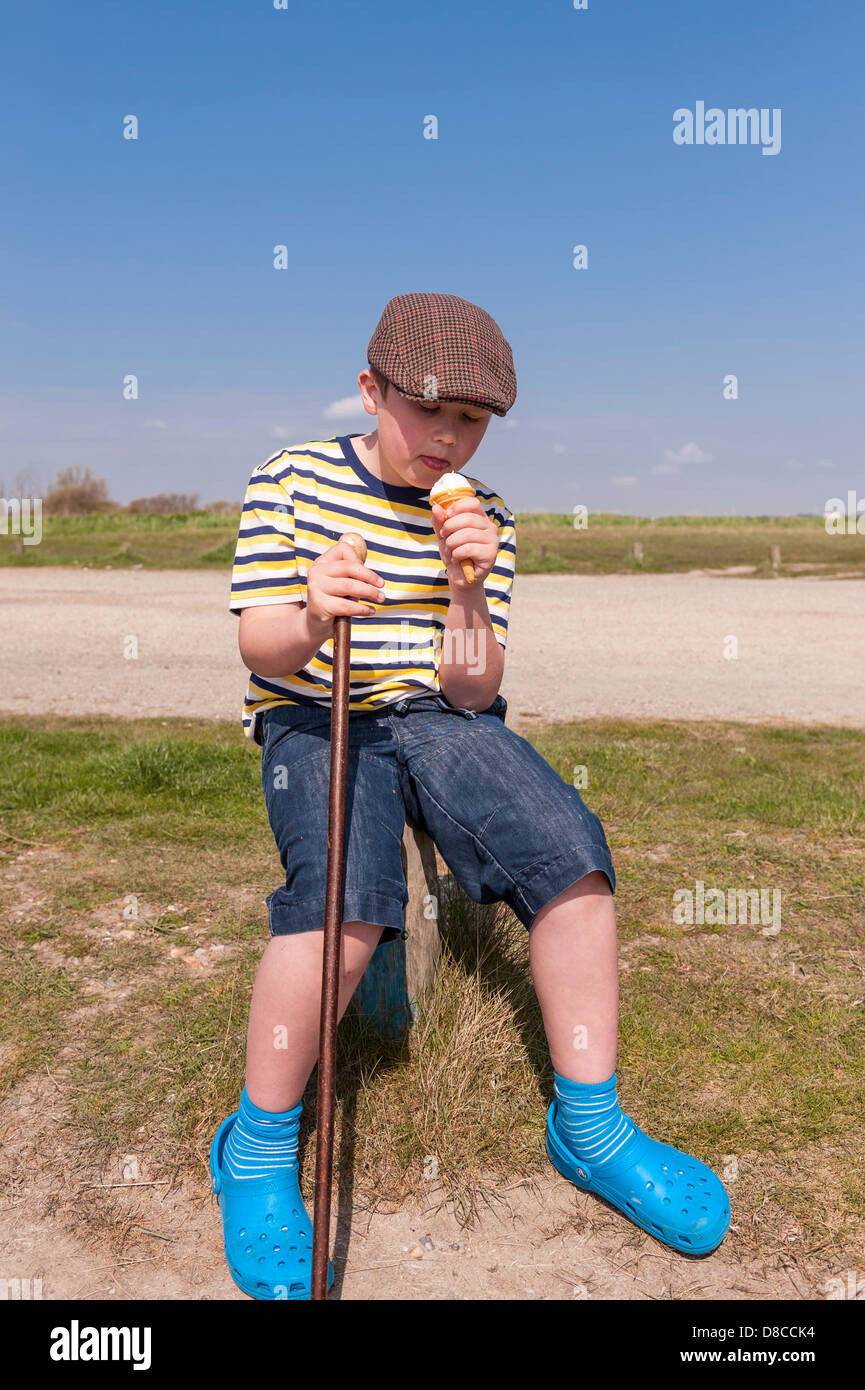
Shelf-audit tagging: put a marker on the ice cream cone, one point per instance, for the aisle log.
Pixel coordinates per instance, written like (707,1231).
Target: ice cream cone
(446,500)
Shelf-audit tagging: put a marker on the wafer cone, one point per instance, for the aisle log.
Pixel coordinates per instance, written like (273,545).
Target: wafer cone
(446,499)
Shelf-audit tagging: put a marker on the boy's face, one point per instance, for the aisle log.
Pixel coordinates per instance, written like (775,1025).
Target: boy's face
(418,441)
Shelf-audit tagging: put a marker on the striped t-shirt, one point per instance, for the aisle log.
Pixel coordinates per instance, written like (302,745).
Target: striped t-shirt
(297,506)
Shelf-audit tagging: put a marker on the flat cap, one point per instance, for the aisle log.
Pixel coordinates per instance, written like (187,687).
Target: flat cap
(441,347)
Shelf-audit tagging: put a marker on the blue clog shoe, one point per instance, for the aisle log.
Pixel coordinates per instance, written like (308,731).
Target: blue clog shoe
(673,1196)
(266,1230)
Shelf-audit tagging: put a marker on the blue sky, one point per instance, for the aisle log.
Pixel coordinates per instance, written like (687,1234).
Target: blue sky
(304,126)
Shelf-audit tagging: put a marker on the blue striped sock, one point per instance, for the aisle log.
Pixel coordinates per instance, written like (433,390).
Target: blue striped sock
(261,1142)
(590,1120)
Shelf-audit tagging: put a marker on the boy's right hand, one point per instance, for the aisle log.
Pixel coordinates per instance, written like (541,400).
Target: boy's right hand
(334,575)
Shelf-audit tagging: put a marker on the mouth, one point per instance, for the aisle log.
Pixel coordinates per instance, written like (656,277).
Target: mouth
(434,464)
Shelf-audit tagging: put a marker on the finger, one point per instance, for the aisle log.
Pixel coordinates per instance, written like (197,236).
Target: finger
(343,552)
(467,536)
(345,608)
(352,568)
(466,504)
(453,523)
(340,585)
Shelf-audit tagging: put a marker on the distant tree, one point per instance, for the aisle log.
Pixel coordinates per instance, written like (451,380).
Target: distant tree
(74,493)
(166,503)
(26,484)
(222,507)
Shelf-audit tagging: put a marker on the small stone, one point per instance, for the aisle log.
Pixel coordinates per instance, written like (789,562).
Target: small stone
(415,1253)
(427,1243)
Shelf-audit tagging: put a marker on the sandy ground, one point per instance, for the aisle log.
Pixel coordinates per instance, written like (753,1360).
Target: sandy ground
(578,646)
(626,646)
(538,1239)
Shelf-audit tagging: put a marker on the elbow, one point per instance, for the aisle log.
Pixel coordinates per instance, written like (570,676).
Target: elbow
(255,660)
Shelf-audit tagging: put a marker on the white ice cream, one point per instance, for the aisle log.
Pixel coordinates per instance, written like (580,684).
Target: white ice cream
(449,482)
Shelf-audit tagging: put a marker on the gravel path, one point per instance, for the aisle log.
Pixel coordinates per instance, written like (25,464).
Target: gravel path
(622,645)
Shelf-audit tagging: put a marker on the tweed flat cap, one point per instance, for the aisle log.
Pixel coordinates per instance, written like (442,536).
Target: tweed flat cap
(441,347)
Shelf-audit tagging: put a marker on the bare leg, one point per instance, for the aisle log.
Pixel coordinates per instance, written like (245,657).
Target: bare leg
(285,1016)
(572,950)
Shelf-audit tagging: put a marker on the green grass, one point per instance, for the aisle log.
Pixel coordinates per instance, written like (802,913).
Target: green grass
(732,1044)
(547,543)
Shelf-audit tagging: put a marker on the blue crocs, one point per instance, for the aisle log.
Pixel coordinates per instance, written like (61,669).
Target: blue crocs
(673,1196)
(266,1230)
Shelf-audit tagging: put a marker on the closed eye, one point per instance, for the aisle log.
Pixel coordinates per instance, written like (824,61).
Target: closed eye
(431,409)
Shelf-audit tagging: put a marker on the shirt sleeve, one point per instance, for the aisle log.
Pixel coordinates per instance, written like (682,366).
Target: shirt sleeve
(265,562)
(499,583)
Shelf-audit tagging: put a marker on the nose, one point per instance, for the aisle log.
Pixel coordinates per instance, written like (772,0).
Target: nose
(446,434)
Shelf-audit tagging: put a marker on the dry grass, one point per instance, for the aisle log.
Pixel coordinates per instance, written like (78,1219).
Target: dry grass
(128,1032)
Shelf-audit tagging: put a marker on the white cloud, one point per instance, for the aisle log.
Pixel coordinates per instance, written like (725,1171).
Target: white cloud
(154,425)
(279,432)
(348,408)
(624,480)
(510,424)
(825,463)
(559,449)
(688,453)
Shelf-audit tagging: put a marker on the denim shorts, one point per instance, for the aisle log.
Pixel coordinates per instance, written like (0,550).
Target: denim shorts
(506,824)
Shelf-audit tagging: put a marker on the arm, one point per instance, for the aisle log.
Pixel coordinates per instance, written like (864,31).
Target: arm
(473,660)
(277,639)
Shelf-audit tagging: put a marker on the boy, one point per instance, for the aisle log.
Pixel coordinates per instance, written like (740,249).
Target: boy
(427,735)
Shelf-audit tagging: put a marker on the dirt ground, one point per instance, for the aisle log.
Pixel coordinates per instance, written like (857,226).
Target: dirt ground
(538,1240)
(578,646)
(647,645)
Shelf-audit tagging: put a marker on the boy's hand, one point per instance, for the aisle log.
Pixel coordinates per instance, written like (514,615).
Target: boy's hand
(466,533)
(334,576)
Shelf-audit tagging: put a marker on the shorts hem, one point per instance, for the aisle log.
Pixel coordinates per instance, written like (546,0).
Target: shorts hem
(290,919)
(565,870)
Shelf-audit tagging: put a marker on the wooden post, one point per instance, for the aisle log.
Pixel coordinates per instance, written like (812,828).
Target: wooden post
(400,971)
(638,551)
(775,556)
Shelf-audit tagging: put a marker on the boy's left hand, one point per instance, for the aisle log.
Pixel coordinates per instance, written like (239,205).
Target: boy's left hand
(466,533)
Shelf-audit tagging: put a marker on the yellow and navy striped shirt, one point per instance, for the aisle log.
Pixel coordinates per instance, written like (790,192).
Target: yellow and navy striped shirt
(297,506)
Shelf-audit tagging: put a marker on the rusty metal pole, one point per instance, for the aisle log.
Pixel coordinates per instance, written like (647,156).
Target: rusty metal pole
(332,939)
